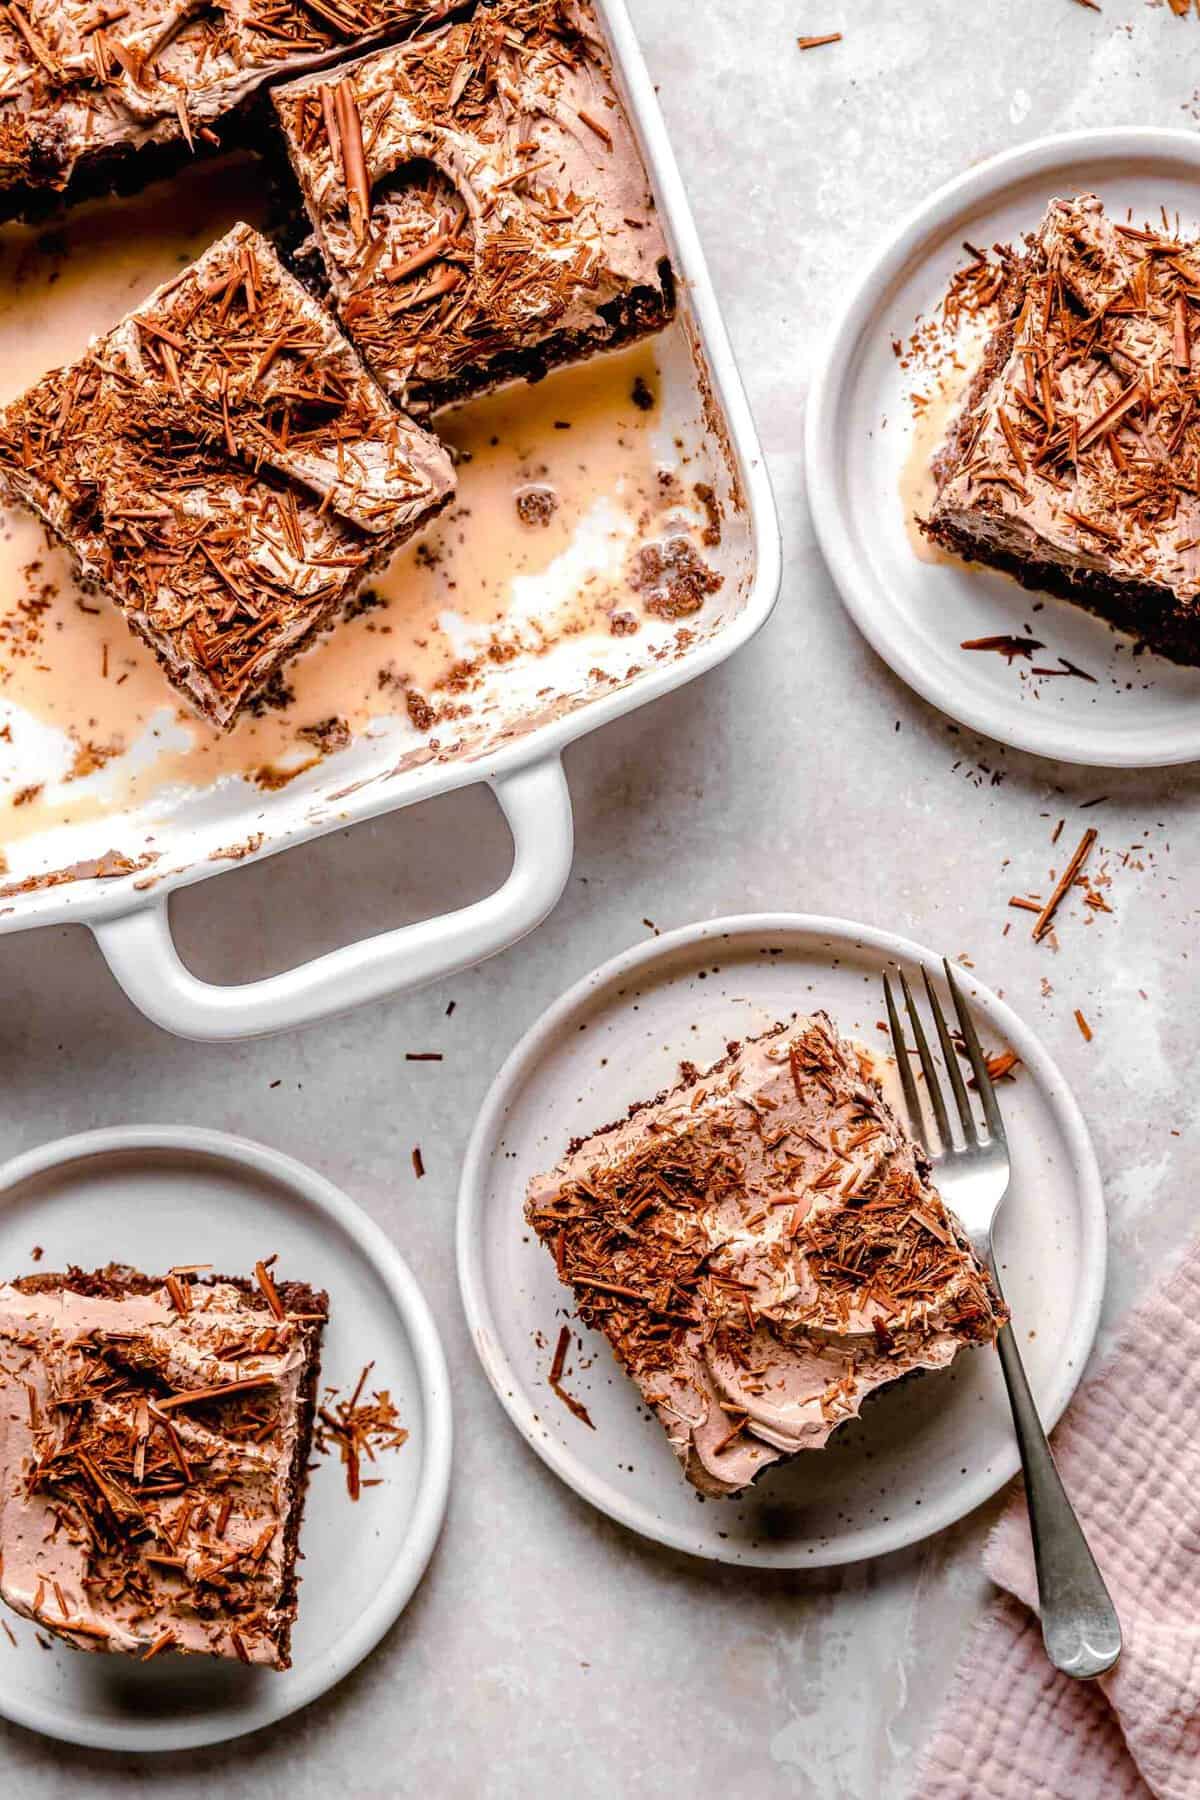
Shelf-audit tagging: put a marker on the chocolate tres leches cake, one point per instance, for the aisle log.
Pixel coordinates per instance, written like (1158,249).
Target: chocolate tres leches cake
(155,1436)
(85,88)
(763,1249)
(224,467)
(480,201)
(1074,463)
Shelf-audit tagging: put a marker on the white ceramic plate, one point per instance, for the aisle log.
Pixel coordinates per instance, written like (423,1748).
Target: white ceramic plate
(928,1450)
(156,1195)
(1141,711)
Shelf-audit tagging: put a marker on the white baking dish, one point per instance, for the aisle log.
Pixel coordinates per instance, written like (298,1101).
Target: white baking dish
(520,725)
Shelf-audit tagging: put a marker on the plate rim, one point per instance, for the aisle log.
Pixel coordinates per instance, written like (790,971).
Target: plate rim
(508,1386)
(433,1485)
(824,428)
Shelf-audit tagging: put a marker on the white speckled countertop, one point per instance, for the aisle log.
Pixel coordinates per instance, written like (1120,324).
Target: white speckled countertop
(548,1650)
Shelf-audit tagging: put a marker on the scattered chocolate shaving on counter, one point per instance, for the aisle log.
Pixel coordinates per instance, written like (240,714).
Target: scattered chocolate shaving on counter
(1083,1025)
(1064,885)
(423,1056)
(815,43)
(418,1162)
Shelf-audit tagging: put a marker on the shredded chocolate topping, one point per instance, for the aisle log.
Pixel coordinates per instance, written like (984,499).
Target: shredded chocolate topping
(763,1249)
(80,80)
(223,465)
(152,1445)
(477,191)
(1078,450)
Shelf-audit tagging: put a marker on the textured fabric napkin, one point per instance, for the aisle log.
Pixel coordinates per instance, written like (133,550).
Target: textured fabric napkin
(1129,1451)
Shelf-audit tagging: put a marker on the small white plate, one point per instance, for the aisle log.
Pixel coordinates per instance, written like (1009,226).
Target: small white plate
(157,1195)
(1141,711)
(928,1450)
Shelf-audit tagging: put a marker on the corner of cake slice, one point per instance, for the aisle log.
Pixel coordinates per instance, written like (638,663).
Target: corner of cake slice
(155,1435)
(480,200)
(763,1249)
(1071,464)
(222,464)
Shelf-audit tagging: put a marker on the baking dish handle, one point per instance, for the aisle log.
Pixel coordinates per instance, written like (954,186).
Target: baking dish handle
(141,953)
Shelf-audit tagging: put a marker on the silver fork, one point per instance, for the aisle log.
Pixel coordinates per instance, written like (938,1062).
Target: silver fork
(1080,1628)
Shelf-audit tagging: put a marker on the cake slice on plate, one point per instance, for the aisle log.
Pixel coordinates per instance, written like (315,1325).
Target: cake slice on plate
(1074,461)
(763,1250)
(225,468)
(480,200)
(155,1435)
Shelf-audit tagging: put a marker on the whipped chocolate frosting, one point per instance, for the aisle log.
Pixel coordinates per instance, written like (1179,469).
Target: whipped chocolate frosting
(149,1489)
(477,193)
(1078,447)
(225,467)
(763,1250)
(80,81)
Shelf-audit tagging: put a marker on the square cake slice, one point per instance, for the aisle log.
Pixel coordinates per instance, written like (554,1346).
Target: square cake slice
(1073,462)
(480,201)
(225,468)
(763,1249)
(155,1434)
(85,88)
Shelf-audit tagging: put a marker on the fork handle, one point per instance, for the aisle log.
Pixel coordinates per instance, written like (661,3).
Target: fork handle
(1080,1628)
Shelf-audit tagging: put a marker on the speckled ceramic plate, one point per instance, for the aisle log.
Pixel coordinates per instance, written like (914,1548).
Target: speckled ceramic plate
(928,1450)
(865,446)
(153,1196)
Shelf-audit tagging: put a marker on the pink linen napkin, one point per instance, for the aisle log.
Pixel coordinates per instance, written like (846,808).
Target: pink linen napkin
(1129,1451)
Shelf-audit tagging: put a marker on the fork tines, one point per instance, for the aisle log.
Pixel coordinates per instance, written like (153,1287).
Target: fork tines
(950,1061)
